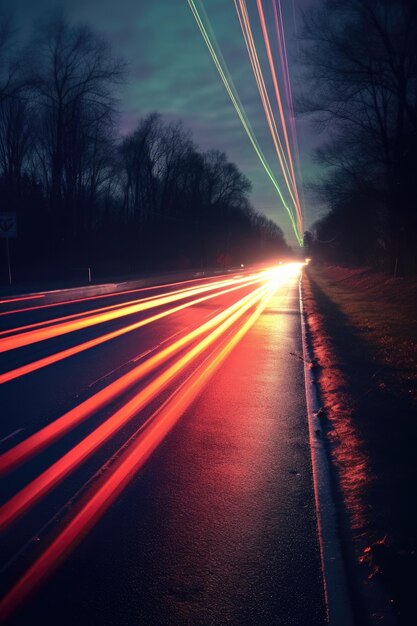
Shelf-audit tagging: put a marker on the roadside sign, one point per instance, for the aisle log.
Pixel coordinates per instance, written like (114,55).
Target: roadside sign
(8,225)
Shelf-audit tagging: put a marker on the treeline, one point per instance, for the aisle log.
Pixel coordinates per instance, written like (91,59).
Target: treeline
(361,61)
(87,196)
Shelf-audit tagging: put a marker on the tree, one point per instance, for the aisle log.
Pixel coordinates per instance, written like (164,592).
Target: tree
(15,109)
(361,57)
(75,76)
(84,195)
(12,61)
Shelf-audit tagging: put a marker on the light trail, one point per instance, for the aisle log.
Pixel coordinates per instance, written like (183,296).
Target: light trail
(111,294)
(47,435)
(71,316)
(287,171)
(232,92)
(280,107)
(48,479)
(64,327)
(282,49)
(20,298)
(161,424)
(120,305)
(86,345)
(55,473)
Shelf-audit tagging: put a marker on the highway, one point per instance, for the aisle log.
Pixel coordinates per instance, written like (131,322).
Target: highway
(155,462)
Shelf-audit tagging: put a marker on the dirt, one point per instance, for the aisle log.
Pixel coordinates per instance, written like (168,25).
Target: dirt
(363,329)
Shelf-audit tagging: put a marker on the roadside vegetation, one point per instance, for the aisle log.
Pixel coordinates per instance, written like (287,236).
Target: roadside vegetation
(86,195)
(364,334)
(360,290)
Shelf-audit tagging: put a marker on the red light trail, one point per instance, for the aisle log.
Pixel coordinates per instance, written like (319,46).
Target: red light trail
(68,324)
(60,426)
(86,345)
(110,294)
(21,298)
(213,340)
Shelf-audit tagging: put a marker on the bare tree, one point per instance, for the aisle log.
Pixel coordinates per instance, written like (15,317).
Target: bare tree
(75,79)
(16,110)
(361,57)
(12,75)
(139,152)
(15,139)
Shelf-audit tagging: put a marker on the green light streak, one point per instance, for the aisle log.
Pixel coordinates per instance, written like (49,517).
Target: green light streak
(231,90)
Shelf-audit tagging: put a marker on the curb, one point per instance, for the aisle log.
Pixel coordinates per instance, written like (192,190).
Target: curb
(337,597)
(114,287)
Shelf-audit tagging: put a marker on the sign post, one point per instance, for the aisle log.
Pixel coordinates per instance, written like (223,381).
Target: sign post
(8,230)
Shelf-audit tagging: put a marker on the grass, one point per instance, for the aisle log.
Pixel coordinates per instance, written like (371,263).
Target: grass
(364,334)
(383,310)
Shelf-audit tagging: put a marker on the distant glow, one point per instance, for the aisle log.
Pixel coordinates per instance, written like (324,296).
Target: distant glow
(284,273)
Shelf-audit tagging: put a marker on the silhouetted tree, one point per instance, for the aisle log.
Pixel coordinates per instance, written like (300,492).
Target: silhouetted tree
(84,195)
(362,62)
(75,75)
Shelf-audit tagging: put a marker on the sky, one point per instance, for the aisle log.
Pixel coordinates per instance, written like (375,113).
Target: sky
(170,71)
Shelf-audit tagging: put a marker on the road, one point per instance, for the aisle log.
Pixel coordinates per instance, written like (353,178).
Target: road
(155,460)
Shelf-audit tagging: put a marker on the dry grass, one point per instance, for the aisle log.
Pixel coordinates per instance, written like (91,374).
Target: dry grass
(383,311)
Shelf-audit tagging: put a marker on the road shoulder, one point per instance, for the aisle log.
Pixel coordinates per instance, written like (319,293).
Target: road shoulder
(369,431)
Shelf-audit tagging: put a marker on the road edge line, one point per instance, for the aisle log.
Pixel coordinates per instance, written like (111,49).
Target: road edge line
(337,597)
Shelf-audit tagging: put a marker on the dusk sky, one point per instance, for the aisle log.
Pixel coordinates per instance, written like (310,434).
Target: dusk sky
(171,71)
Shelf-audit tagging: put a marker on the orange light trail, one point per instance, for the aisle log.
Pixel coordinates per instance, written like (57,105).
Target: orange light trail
(86,345)
(242,13)
(56,320)
(73,316)
(159,426)
(46,481)
(215,52)
(64,327)
(280,108)
(87,298)
(27,448)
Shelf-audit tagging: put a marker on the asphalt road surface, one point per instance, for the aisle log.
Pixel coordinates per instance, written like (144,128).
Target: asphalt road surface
(155,462)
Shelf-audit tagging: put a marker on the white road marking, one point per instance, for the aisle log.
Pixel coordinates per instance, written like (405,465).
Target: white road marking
(15,432)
